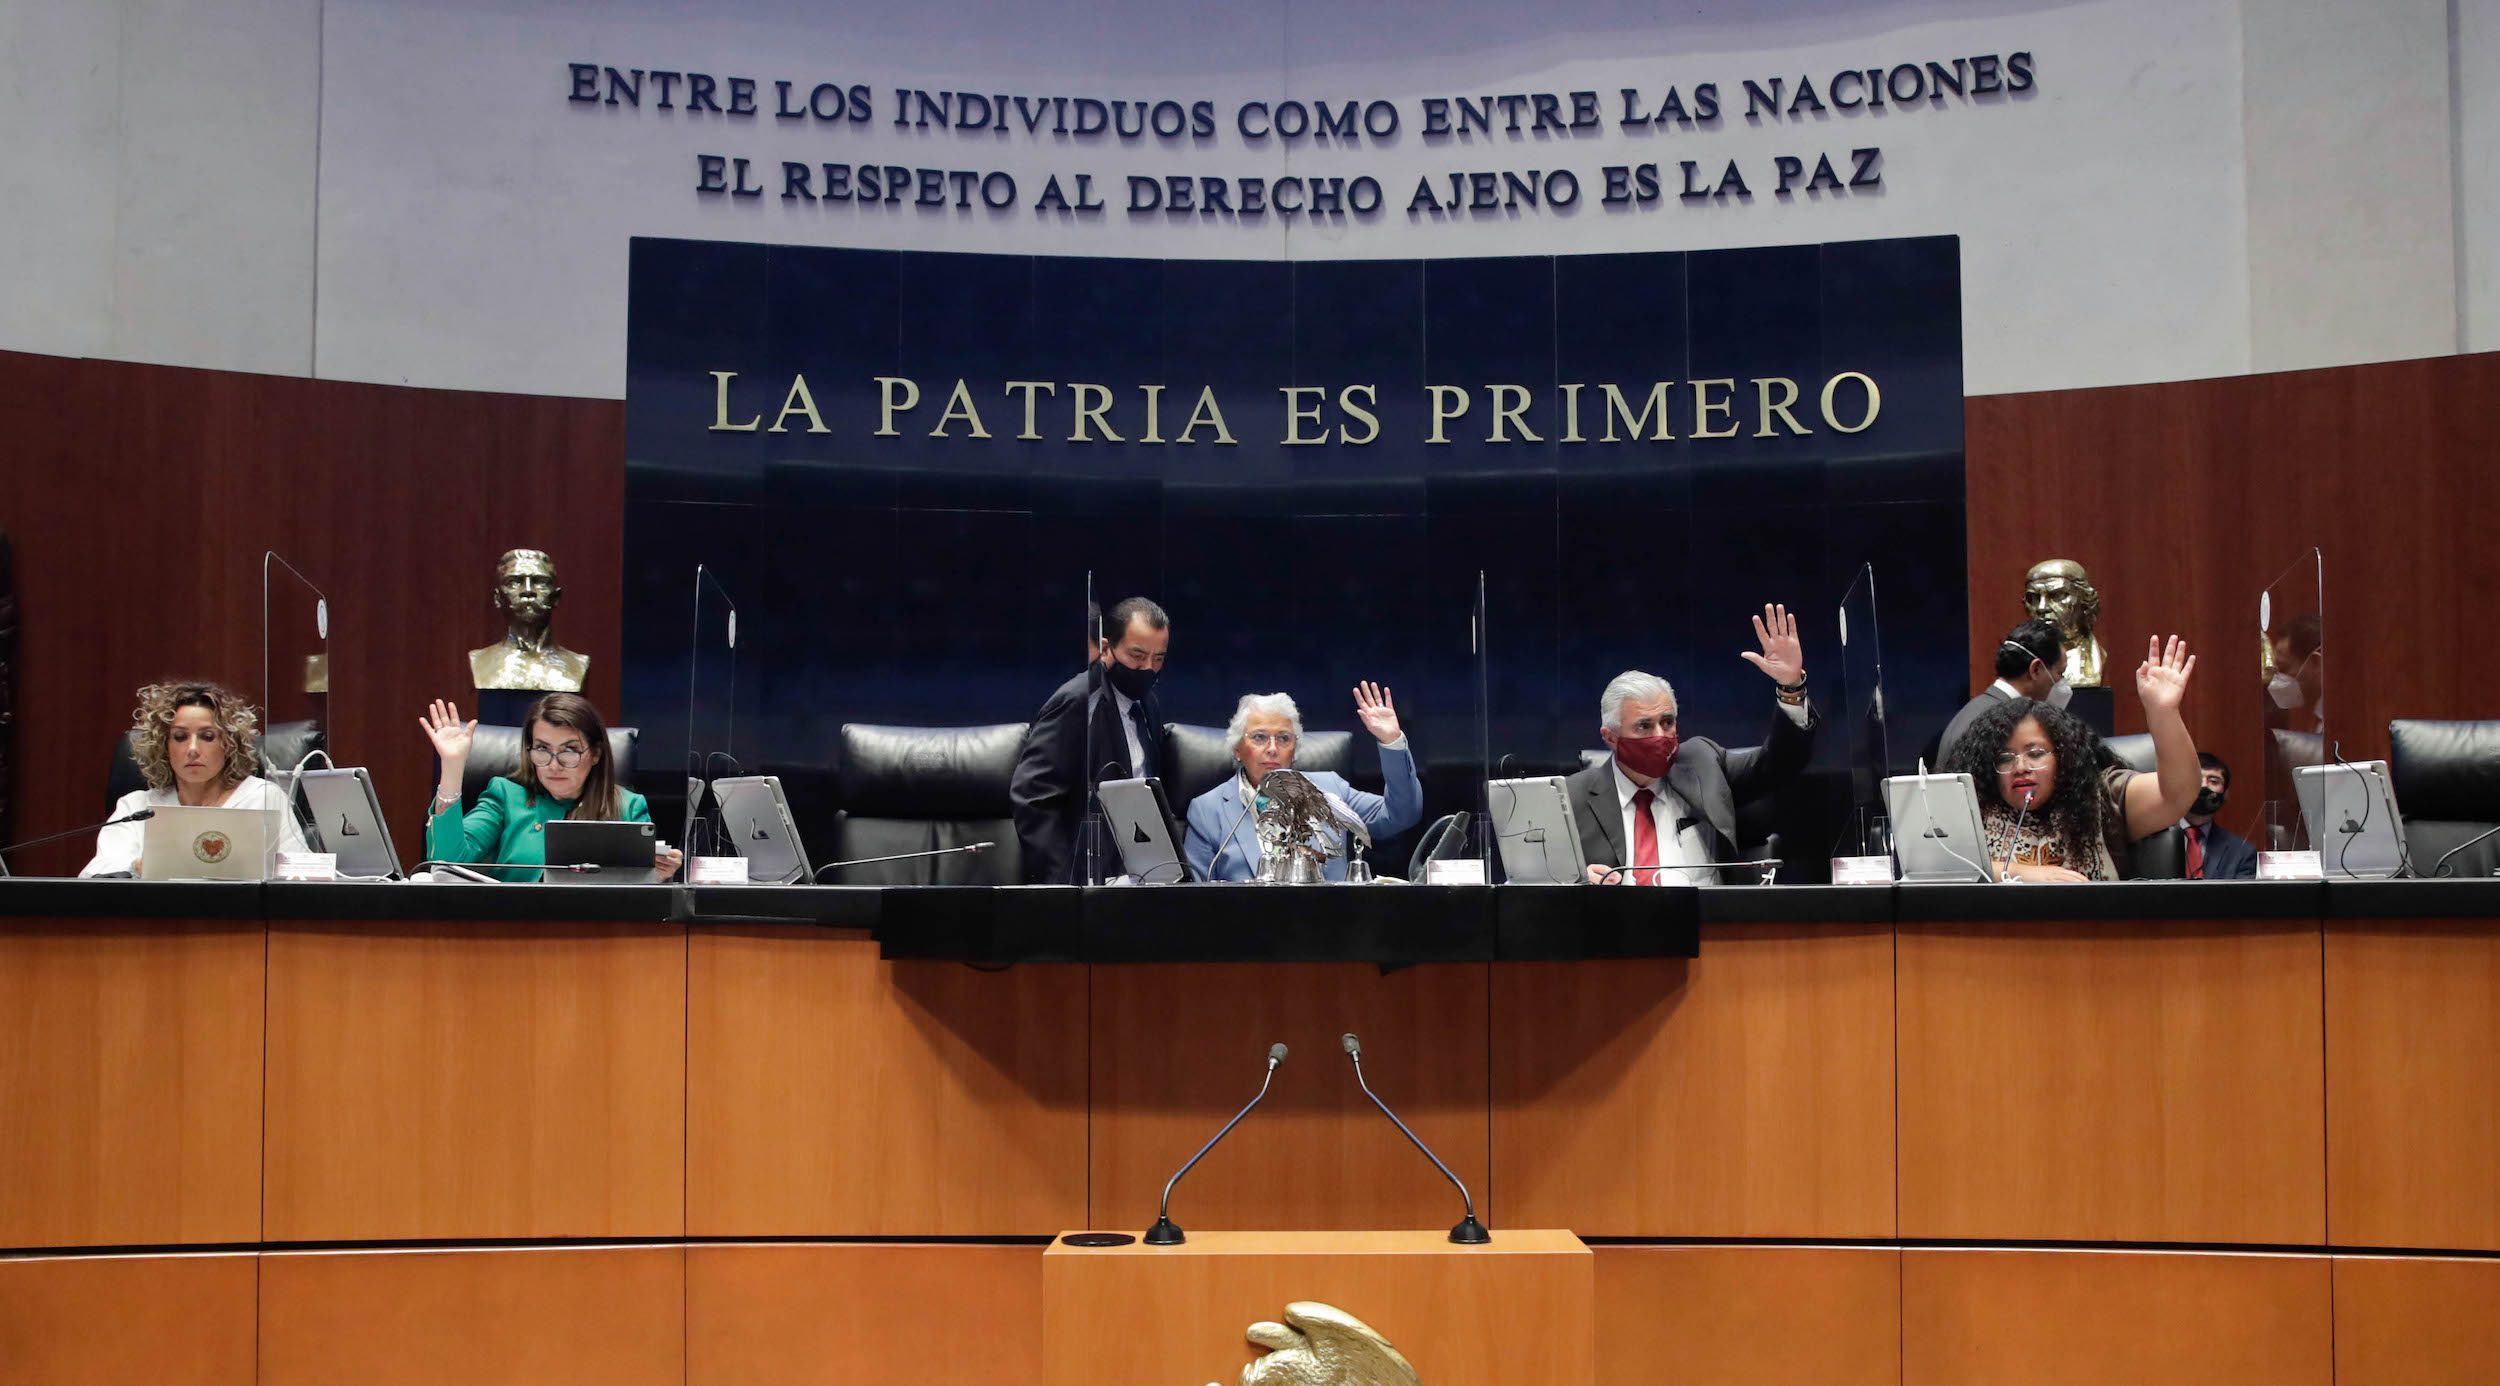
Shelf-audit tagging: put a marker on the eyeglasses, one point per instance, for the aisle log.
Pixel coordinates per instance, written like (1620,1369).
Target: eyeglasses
(2032,759)
(568,758)
(1283,741)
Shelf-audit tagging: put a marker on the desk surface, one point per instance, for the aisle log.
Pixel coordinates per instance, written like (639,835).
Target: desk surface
(1537,1241)
(1389,924)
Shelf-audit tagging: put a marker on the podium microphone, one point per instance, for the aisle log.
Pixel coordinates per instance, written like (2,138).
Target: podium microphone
(1469,1232)
(1164,1233)
(139,817)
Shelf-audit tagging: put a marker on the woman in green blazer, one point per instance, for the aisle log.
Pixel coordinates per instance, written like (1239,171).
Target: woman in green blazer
(564,774)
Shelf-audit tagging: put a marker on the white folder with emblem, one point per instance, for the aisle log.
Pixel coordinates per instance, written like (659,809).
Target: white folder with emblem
(181,843)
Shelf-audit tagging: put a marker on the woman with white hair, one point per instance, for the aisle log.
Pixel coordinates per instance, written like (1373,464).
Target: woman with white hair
(1265,731)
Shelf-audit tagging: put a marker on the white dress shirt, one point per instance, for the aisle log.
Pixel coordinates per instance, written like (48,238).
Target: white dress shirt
(117,847)
(1120,705)
(1680,829)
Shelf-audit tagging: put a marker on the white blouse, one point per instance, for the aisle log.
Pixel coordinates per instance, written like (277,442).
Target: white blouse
(117,847)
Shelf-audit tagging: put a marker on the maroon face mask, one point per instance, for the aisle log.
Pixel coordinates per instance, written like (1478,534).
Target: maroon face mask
(1647,755)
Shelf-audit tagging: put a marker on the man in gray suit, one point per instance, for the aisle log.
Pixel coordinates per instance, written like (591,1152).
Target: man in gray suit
(2030,664)
(1659,806)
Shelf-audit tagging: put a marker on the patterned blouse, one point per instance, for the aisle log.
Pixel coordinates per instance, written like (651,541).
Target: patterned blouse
(2042,842)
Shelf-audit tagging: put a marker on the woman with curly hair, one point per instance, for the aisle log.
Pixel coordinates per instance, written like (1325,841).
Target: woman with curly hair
(2051,805)
(198,745)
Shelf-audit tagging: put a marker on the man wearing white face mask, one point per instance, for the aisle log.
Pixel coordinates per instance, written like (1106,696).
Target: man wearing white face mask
(2030,664)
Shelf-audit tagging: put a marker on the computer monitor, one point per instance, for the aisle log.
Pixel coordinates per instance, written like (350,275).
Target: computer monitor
(597,852)
(1141,827)
(346,821)
(1536,831)
(1936,836)
(2350,809)
(755,817)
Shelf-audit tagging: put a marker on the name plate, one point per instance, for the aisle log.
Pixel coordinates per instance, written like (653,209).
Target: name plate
(1461,871)
(1861,871)
(718,870)
(2290,866)
(305,866)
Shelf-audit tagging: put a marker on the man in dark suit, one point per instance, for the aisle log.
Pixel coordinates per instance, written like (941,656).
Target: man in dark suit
(2030,664)
(1659,801)
(2214,853)
(1060,762)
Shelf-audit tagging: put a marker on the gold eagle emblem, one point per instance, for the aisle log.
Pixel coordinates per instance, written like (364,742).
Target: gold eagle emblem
(1321,1345)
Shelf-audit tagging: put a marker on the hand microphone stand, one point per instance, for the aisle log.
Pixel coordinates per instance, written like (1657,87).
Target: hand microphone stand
(1164,1233)
(1469,1232)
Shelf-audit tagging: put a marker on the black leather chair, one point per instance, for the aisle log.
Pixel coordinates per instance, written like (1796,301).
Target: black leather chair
(2447,778)
(1198,759)
(496,751)
(917,789)
(283,746)
(2163,856)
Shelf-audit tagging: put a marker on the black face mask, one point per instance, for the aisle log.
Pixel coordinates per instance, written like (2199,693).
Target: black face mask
(1134,684)
(2208,803)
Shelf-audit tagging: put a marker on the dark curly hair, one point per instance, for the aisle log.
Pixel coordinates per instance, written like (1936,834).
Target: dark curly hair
(2075,808)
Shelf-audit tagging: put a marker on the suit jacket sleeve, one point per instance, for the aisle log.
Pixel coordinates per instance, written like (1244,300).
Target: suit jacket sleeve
(1784,751)
(1043,792)
(1200,844)
(1389,814)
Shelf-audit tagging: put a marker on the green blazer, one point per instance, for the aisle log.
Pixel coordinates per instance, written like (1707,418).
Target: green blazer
(505,828)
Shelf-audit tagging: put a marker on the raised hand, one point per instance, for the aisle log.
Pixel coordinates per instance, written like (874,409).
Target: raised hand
(2161,680)
(1380,716)
(1782,658)
(451,737)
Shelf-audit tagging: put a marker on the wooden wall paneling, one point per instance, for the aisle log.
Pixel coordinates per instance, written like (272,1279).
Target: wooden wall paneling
(952,1315)
(141,499)
(2416,1321)
(599,1316)
(832,1093)
(2080,1318)
(1520,1309)
(1748,1092)
(476,1080)
(2413,1083)
(130,1097)
(1757,1315)
(2112,1082)
(1178,1049)
(2184,499)
(128,1320)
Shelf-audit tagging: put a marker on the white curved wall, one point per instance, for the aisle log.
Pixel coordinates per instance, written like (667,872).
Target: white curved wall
(397,190)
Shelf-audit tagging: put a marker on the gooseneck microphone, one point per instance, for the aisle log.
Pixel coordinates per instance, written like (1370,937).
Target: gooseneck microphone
(2015,847)
(139,817)
(1164,1233)
(965,849)
(1469,1232)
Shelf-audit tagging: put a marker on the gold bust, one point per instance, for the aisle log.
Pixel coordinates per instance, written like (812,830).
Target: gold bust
(526,592)
(2057,591)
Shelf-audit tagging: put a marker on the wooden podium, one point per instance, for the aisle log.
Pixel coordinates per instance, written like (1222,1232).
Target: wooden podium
(1521,1309)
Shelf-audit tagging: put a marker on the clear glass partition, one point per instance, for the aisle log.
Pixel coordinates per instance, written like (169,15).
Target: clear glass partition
(294,692)
(711,701)
(2291,694)
(1863,833)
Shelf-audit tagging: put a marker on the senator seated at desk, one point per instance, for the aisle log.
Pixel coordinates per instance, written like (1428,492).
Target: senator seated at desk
(2053,806)
(198,745)
(1657,803)
(1223,840)
(565,773)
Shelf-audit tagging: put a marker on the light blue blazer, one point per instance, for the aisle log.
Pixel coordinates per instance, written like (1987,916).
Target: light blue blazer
(1237,857)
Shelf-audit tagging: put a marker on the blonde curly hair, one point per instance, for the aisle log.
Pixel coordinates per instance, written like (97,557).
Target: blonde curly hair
(153,722)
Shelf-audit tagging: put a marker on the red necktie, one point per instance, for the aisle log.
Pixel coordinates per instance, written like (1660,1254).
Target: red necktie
(2196,853)
(1644,837)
